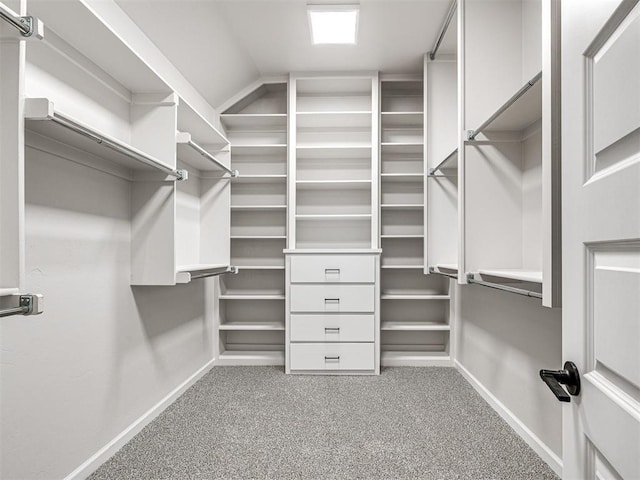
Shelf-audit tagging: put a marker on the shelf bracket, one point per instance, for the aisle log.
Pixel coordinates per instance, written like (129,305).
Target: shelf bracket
(471,135)
(183,175)
(27,304)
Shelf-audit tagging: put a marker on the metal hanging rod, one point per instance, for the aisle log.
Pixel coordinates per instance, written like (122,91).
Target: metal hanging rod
(443,30)
(28,304)
(142,158)
(230,269)
(497,286)
(437,272)
(23,24)
(471,134)
(207,155)
(439,166)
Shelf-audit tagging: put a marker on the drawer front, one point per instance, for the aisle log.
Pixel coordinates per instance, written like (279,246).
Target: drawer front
(332,356)
(332,328)
(333,298)
(333,269)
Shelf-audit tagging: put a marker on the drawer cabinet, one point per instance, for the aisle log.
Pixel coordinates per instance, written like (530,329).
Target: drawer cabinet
(332,328)
(332,298)
(333,269)
(333,318)
(332,356)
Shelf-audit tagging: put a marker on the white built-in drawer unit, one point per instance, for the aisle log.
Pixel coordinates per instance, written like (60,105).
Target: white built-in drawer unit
(333,312)
(332,298)
(332,356)
(333,269)
(332,328)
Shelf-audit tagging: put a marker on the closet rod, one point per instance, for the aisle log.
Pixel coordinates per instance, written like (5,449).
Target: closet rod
(443,30)
(204,153)
(25,307)
(23,24)
(450,275)
(439,166)
(497,286)
(230,269)
(63,122)
(471,134)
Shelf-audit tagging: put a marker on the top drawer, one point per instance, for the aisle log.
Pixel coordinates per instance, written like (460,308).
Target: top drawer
(333,269)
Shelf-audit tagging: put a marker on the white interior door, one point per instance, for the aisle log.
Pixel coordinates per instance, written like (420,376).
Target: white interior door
(601,235)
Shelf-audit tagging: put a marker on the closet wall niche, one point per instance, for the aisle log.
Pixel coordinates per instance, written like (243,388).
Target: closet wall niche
(251,315)
(509,166)
(131,124)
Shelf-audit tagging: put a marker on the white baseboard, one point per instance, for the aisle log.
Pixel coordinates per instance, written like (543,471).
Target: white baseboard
(514,422)
(106,452)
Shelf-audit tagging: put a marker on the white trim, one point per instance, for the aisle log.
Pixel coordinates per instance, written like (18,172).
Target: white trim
(106,452)
(514,422)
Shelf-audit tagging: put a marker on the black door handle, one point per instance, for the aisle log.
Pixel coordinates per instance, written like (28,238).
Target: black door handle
(569,376)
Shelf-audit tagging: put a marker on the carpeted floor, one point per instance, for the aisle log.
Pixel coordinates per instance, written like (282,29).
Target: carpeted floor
(256,422)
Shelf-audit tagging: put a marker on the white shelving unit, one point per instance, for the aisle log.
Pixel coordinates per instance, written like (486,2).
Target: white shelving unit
(251,318)
(510,208)
(415,327)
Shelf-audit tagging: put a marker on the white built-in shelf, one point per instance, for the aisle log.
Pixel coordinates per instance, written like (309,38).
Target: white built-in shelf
(250,121)
(414,327)
(521,110)
(41,117)
(402,119)
(344,119)
(201,129)
(197,156)
(260,178)
(531,276)
(448,166)
(260,267)
(413,296)
(391,358)
(252,326)
(332,151)
(258,237)
(248,296)
(402,177)
(402,267)
(335,184)
(337,216)
(258,207)
(259,149)
(402,236)
(402,206)
(401,148)
(334,147)
(253,357)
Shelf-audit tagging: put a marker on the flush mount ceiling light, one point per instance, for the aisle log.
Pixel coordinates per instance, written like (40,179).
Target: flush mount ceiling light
(333,24)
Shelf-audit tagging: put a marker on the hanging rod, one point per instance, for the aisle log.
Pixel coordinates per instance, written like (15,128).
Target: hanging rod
(439,166)
(152,162)
(230,269)
(28,304)
(437,272)
(204,153)
(471,134)
(23,24)
(443,30)
(497,286)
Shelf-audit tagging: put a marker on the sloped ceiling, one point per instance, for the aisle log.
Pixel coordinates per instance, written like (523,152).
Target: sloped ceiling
(222,46)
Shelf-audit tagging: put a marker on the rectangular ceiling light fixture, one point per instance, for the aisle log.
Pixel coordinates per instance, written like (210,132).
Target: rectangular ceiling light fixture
(333,24)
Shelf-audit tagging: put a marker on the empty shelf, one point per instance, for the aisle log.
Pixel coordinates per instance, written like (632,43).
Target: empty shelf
(401,148)
(402,177)
(252,326)
(337,216)
(330,151)
(402,119)
(251,297)
(414,326)
(401,236)
(402,206)
(250,121)
(358,119)
(253,357)
(391,358)
(351,184)
(258,207)
(260,178)
(258,237)
(198,156)
(413,297)
(260,267)
(259,149)
(514,274)
(403,267)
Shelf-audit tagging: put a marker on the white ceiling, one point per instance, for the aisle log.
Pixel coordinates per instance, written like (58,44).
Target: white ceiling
(221,46)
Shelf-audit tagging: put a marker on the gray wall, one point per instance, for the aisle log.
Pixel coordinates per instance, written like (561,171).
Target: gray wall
(102,353)
(504,339)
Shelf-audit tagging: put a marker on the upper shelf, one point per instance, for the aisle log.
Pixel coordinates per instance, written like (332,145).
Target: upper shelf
(359,119)
(249,121)
(202,131)
(41,117)
(402,119)
(520,111)
(519,275)
(199,157)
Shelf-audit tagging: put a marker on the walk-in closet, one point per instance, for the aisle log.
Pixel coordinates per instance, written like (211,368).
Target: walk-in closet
(319,239)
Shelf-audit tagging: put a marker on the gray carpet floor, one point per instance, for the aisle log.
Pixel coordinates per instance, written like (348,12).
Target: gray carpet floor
(256,422)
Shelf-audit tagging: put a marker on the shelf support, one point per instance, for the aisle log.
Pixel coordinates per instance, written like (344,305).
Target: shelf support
(472,134)
(25,25)
(27,304)
(506,288)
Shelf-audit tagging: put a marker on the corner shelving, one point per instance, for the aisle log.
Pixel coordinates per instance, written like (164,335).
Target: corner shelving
(251,310)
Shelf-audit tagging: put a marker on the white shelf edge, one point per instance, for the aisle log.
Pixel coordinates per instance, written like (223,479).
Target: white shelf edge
(413,297)
(250,297)
(391,326)
(532,276)
(252,327)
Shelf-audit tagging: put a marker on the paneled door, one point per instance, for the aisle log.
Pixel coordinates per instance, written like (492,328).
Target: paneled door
(601,235)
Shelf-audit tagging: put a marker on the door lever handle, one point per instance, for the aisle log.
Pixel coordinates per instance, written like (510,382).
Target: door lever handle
(569,376)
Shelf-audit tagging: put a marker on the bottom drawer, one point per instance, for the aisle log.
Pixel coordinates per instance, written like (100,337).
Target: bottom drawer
(332,356)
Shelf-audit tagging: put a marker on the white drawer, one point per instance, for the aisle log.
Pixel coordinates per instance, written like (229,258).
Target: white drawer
(333,298)
(332,328)
(332,356)
(333,269)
